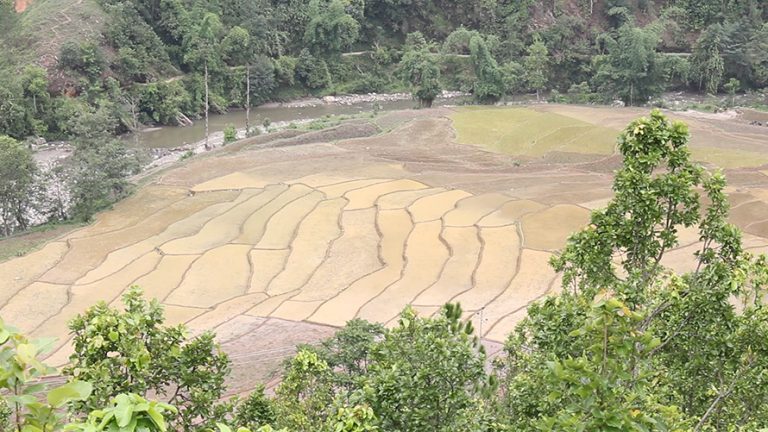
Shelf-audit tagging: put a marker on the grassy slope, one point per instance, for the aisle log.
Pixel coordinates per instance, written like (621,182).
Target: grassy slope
(524,132)
(36,35)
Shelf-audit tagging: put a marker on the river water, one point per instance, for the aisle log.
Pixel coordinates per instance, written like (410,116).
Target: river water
(173,136)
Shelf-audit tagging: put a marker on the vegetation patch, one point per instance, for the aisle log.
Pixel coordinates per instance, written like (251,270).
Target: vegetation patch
(729,158)
(524,132)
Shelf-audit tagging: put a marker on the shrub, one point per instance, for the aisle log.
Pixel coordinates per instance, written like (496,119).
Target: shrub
(230,134)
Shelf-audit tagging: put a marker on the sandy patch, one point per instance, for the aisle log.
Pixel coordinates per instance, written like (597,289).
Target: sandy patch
(234,181)
(218,275)
(20,272)
(309,248)
(550,228)
(459,272)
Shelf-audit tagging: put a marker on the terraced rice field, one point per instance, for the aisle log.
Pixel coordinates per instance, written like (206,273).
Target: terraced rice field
(285,237)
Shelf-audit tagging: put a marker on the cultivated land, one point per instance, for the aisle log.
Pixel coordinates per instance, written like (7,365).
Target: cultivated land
(274,240)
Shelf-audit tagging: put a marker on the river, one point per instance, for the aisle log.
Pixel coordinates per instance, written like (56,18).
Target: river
(174,136)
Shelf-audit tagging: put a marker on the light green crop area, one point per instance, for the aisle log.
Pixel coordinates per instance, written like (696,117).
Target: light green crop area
(524,132)
(729,158)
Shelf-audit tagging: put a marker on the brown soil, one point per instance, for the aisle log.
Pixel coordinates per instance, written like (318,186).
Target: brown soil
(21,5)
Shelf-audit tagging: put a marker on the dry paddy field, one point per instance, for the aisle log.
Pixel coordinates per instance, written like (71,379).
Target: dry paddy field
(275,240)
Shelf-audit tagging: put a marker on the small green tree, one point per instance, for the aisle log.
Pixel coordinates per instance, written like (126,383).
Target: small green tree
(489,84)
(230,134)
(255,411)
(348,352)
(419,68)
(131,352)
(312,71)
(427,373)
(305,394)
(17,181)
(513,77)
(537,66)
(21,374)
(731,86)
(85,58)
(580,93)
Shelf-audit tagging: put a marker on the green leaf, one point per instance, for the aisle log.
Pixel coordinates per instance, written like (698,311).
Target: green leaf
(4,335)
(156,417)
(26,353)
(72,391)
(113,336)
(123,410)
(22,400)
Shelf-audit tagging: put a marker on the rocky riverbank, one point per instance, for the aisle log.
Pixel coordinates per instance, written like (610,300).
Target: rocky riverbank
(164,156)
(357,99)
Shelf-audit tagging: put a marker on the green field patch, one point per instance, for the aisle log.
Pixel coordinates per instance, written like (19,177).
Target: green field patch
(729,158)
(524,132)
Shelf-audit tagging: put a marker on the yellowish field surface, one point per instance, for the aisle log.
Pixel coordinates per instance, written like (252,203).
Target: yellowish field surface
(321,231)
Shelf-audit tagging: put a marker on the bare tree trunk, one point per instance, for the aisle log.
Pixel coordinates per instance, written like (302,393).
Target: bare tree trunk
(247,99)
(207,147)
(133,103)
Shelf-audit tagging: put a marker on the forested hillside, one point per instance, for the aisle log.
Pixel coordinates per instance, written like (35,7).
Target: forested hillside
(146,60)
(87,71)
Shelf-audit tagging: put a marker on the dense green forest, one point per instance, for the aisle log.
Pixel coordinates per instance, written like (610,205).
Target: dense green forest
(627,345)
(155,61)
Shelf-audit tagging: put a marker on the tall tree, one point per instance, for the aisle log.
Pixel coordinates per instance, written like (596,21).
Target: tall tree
(420,69)
(757,50)
(707,60)
(101,163)
(204,50)
(631,344)
(239,50)
(631,69)
(13,118)
(489,83)
(537,65)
